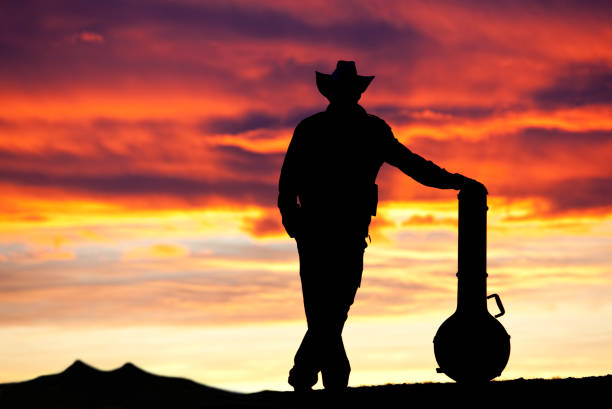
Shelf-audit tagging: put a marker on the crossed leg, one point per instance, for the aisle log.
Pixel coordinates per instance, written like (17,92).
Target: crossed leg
(330,275)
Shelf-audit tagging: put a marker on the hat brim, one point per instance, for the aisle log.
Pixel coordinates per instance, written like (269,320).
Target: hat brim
(327,84)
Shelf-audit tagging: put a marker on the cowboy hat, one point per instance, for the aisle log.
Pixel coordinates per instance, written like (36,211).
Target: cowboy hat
(344,77)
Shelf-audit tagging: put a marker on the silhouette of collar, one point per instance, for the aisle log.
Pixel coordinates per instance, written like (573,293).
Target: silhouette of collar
(346,110)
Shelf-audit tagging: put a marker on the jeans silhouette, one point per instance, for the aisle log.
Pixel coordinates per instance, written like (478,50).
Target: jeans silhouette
(330,271)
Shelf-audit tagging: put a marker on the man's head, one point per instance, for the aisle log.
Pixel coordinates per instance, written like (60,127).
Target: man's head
(343,86)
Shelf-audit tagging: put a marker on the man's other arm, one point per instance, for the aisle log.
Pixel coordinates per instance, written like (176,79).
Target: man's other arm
(287,185)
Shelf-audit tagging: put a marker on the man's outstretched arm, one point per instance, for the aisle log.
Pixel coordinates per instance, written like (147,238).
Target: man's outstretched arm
(422,170)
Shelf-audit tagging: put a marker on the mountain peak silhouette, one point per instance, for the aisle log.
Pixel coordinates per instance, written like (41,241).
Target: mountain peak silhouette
(79,367)
(129,365)
(130,368)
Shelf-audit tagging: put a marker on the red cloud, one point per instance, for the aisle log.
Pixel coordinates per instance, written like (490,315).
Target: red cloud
(88,37)
(269,224)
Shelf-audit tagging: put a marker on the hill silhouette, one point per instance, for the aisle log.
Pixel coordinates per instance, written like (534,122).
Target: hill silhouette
(83,386)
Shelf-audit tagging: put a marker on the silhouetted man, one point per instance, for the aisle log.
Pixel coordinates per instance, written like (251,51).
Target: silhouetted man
(327,197)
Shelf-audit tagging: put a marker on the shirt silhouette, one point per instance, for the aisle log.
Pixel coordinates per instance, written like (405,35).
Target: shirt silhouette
(327,197)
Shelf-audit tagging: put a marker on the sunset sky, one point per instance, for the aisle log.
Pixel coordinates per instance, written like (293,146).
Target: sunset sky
(140,149)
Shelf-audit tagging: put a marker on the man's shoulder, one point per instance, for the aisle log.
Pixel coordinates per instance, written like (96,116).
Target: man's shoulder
(314,118)
(378,122)
(311,123)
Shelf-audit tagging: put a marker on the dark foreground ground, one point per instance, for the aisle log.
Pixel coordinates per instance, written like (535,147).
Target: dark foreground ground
(82,386)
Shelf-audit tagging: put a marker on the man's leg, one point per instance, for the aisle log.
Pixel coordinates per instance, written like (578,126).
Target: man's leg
(307,362)
(345,278)
(304,374)
(330,275)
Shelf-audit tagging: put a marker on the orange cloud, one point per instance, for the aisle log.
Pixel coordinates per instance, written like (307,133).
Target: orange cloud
(156,251)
